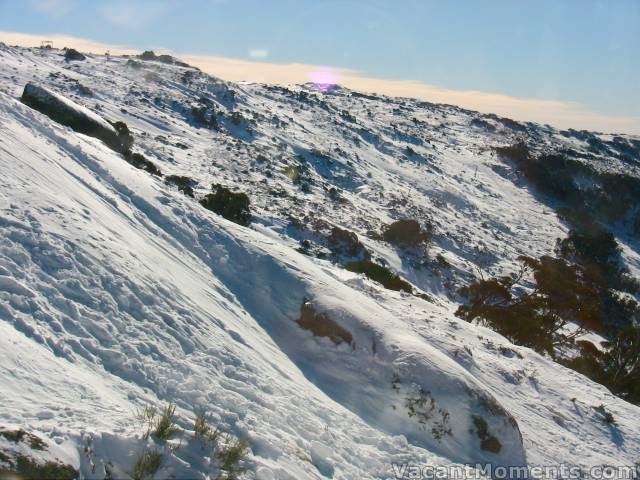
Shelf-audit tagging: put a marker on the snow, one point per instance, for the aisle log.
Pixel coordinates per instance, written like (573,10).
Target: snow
(117,291)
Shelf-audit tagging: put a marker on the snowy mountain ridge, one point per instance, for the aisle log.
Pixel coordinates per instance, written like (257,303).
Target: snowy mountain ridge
(119,291)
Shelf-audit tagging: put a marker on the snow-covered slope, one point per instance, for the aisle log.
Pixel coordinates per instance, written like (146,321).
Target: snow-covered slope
(117,291)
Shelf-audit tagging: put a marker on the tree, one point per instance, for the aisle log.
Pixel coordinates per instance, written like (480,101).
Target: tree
(622,364)
(534,317)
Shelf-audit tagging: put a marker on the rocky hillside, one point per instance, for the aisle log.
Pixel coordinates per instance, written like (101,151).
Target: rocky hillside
(253,281)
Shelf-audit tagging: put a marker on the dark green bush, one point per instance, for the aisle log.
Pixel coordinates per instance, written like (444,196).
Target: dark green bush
(519,153)
(232,206)
(590,244)
(72,54)
(184,184)
(596,251)
(147,55)
(582,189)
(487,441)
(140,161)
(380,274)
(345,242)
(124,141)
(134,64)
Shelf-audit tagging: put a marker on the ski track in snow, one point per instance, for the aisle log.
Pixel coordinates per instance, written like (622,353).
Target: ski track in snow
(117,291)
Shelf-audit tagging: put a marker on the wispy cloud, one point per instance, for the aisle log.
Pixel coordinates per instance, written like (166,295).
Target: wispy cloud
(560,114)
(131,15)
(55,8)
(259,53)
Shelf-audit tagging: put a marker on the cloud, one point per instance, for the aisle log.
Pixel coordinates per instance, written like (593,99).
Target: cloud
(131,15)
(258,53)
(56,8)
(560,114)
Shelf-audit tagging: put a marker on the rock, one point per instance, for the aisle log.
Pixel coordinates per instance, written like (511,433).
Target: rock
(405,233)
(70,114)
(344,242)
(322,326)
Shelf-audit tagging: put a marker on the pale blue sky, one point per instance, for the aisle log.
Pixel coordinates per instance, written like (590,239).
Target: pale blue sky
(583,51)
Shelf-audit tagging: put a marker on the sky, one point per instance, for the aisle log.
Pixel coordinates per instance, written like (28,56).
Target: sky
(569,63)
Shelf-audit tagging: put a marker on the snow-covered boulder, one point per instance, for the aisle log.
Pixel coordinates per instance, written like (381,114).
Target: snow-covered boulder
(70,114)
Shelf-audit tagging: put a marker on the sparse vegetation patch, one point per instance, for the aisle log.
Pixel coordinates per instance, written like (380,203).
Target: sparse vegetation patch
(146,465)
(487,441)
(422,406)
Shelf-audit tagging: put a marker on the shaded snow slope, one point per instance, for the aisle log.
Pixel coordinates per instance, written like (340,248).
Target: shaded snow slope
(118,291)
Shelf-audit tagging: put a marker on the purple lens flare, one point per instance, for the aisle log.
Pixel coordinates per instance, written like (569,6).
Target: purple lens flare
(324,78)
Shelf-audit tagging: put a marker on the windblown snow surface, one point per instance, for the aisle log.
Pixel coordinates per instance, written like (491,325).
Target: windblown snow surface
(117,291)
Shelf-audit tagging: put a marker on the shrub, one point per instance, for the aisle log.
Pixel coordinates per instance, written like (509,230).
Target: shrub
(230,205)
(422,406)
(406,233)
(146,465)
(593,247)
(621,364)
(84,90)
(161,424)
(146,416)
(519,152)
(581,188)
(202,430)
(345,242)
(231,456)
(537,318)
(380,274)
(17,436)
(165,426)
(184,184)
(71,54)
(124,140)
(134,64)
(147,55)
(487,441)
(607,416)
(199,115)
(16,463)
(140,161)
(23,467)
